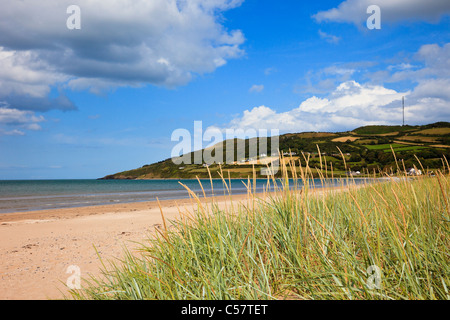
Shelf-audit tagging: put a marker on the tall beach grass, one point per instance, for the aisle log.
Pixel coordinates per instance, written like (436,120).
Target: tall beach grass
(383,240)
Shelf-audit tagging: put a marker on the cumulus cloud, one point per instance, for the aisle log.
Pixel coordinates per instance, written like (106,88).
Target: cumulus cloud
(436,59)
(14,121)
(24,73)
(162,42)
(26,80)
(431,61)
(340,102)
(355,11)
(425,72)
(120,43)
(350,105)
(432,88)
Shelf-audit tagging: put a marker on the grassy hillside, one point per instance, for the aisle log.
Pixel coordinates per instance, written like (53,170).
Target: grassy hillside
(378,130)
(365,149)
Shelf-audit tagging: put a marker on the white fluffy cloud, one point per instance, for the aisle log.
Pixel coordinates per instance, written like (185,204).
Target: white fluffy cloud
(13,121)
(353,92)
(351,105)
(25,82)
(355,11)
(120,43)
(24,73)
(430,79)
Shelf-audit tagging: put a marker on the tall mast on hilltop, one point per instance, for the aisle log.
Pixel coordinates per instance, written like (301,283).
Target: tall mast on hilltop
(403,103)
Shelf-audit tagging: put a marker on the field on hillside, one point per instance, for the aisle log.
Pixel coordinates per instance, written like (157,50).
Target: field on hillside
(434,131)
(395,146)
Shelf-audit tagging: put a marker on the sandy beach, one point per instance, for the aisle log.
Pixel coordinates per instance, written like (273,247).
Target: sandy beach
(37,248)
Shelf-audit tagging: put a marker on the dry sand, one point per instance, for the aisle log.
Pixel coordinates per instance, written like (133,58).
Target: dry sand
(36,248)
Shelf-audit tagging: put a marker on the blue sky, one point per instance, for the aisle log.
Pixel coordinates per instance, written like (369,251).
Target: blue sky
(106,98)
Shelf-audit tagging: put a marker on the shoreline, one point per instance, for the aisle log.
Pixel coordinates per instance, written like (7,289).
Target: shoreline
(80,211)
(17,214)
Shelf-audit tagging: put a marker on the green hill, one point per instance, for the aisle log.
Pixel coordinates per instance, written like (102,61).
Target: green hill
(370,130)
(365,149)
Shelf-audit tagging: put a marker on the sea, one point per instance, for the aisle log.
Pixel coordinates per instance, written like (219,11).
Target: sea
(31,195)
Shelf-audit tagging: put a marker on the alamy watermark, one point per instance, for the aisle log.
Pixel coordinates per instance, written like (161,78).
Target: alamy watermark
(228,147)
(374,279)
(374,21)
(73,22)
(74,280)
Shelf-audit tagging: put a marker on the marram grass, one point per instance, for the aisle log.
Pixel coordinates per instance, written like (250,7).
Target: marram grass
(297,244)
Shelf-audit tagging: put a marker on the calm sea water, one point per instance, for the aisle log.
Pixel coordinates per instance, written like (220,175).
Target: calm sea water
(27,195)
